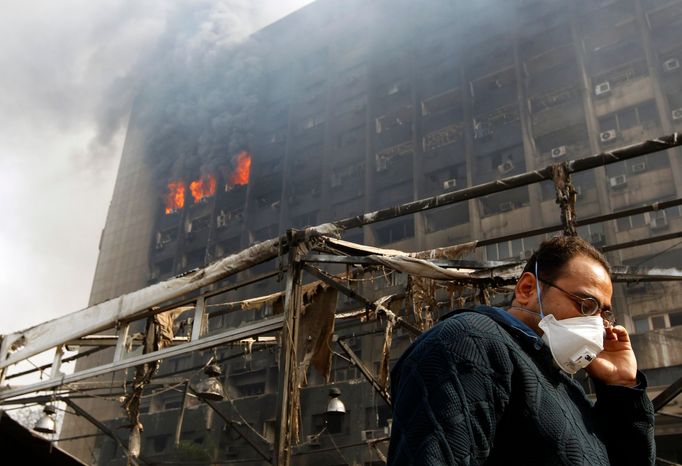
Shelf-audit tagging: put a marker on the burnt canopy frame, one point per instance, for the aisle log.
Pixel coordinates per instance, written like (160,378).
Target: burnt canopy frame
(197,281)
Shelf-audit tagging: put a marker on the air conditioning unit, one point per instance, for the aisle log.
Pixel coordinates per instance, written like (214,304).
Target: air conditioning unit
(366,435)
(607,136)
(506,206)
(221,219)
(597,239)
(638,167)
(677,114)
(313,440)
(526,254)
(618,181)
(382,164)
(602,88)
(558,152)
(450,184)
(505,167)
(658,220)
(671,65)
(389,425)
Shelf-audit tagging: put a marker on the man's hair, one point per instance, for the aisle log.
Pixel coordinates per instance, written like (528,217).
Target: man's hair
(553,254)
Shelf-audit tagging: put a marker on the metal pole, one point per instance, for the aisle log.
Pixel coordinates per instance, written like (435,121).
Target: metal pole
(523,179)
(83,413)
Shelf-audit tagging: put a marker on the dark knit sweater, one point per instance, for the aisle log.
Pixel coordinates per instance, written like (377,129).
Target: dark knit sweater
(481,388)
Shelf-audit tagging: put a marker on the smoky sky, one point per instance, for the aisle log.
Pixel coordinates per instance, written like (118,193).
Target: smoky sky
(70,72)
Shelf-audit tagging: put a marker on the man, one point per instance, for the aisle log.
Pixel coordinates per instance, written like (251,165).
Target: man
(493,387)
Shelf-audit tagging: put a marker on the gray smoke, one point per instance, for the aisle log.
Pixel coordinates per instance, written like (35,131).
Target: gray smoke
(198,102)
(71,71)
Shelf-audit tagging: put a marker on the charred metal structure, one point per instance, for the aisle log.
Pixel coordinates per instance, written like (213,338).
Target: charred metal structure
(455,113)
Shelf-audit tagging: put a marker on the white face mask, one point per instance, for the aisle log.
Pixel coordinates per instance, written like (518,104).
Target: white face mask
(574,342)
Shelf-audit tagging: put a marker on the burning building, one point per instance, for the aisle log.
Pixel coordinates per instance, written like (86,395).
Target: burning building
(358,106)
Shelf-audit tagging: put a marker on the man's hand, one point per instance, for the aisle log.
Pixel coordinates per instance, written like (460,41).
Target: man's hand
(616,365)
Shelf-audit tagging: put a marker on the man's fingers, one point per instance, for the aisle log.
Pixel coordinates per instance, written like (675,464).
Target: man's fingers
(621,333)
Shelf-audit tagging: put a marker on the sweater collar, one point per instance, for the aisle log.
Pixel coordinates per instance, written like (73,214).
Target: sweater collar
(505,319)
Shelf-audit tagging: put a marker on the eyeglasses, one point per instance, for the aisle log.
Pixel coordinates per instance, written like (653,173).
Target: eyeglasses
(588,306)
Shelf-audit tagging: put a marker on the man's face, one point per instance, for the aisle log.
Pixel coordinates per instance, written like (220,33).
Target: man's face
(583,277)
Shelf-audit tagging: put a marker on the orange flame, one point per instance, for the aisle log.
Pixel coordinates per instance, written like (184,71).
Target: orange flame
(242,170)
(175,199)
(203,187)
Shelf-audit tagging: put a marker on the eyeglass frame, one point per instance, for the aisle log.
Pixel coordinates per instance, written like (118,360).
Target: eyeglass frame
(605,314)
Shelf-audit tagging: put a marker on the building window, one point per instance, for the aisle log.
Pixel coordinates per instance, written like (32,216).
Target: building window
(198,224)
(396,232)
(194,259)
(643,115)
(593,233)
(521,249)
(162,269)
(248,384)
(656,322)
(164,237)
(631,221)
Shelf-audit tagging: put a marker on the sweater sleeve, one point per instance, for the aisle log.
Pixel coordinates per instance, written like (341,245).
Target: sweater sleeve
(626,419)
(449,393)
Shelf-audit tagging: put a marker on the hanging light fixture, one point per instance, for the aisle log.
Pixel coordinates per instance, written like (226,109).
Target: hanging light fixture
(46,424)
(335,405)
(210,387)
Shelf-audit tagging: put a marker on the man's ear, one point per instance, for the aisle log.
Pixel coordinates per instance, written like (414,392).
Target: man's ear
(525,293)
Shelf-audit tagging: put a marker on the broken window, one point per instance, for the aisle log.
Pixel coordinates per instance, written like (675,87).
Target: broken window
(166,236)
(393,155)
(349,173)
(264,233)
(447,217)
(269,199)
(248,384)
(199,224)
(396,231)
(162,269)
(443,137)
